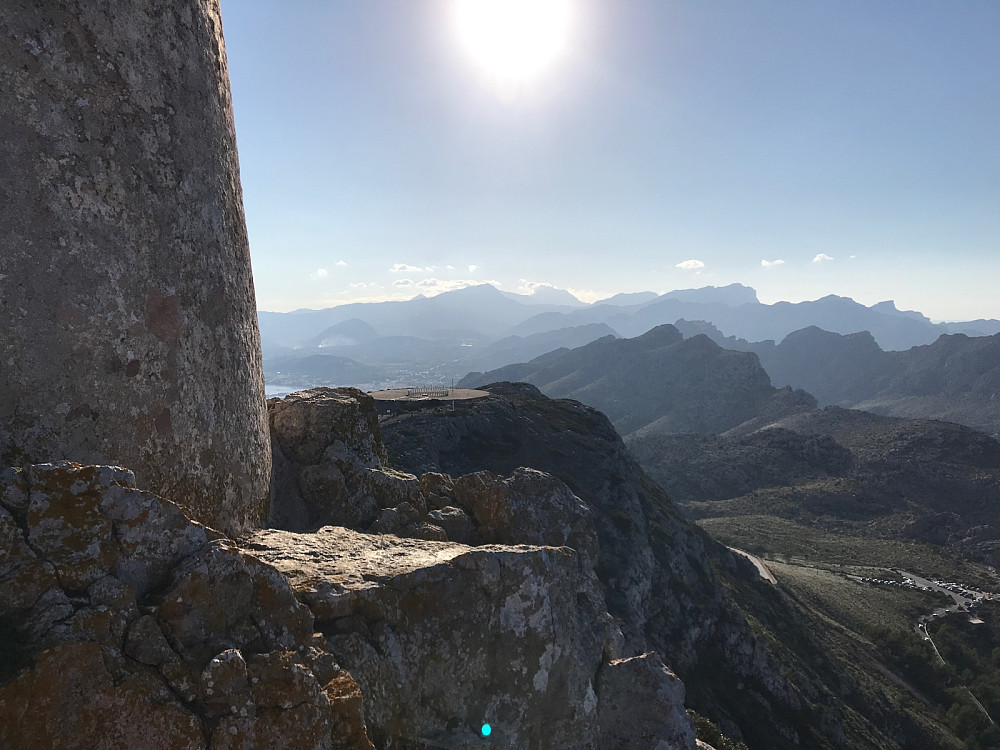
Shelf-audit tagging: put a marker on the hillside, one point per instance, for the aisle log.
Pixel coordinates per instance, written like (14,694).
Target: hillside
(956,378)
(657,382)
(843,471)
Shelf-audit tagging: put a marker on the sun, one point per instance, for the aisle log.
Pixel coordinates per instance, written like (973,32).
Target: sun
(513,40)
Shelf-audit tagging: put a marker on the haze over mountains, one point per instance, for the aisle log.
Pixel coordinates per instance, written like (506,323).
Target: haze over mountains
(434,340)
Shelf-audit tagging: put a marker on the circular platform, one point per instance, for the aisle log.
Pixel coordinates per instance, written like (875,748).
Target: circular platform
(428,394)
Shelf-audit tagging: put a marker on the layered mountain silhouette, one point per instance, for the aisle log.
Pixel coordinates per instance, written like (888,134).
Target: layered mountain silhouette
(658,382)
(877,358)
(956,378)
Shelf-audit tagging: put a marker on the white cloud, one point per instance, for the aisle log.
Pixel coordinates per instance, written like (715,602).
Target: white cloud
(341,263)
(319,273)
(402,282)
(405,268)
(822,258)
(472,268)
(690,265)
(769,263)
(529,287)
(588,295)
(363,285)
(432,286)
(450,267)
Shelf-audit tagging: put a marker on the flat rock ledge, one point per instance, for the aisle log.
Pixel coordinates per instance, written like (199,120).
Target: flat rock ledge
(444,638)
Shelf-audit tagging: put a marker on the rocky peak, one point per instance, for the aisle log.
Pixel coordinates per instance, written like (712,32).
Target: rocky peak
(352,582)
(657,382)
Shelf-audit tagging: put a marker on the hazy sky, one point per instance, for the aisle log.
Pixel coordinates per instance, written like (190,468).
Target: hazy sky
(803,148)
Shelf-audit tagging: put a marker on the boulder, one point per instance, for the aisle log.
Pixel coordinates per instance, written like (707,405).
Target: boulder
(329,462)
(642,706)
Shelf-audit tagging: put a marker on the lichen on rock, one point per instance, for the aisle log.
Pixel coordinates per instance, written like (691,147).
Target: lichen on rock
(136,626)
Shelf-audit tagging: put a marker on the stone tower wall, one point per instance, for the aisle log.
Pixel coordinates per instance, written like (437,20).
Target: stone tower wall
(128,331)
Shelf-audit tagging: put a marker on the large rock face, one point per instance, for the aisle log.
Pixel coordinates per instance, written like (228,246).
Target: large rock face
(124,624)
(444,637)
(127,325)
(662,578)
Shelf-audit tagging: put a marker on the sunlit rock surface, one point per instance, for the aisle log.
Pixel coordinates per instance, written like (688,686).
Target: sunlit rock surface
(443,638)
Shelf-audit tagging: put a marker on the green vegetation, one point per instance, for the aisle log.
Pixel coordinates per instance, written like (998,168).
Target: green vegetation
(857,606)
(972,653)
(863,640)
(781,539)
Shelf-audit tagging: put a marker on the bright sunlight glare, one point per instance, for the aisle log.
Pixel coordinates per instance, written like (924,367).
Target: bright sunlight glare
(513,40)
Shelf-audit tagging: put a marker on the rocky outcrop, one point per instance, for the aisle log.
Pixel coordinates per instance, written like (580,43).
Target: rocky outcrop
(329,463)
(524,628)
(647,698)
(122,618)
(331,468)
(444,638)
(128,331)
(125,624)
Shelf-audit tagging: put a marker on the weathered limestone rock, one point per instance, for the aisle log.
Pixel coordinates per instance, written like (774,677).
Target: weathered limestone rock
(329,462)
(443,637)
(124,624)
(128,332)
(656,567)
(330,468)
(642,706)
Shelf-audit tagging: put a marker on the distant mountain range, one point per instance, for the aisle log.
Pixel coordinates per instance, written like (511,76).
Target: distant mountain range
(483,312)
(839,350)
(956,378)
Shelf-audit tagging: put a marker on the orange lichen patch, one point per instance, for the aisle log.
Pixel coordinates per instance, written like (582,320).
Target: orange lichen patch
(67,527)
(344,694)
(23,577)
(71,682)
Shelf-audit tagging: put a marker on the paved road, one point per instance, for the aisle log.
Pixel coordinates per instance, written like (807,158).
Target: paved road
(766,574)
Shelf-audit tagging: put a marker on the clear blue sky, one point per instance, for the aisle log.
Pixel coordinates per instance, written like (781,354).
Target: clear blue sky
(857,141)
